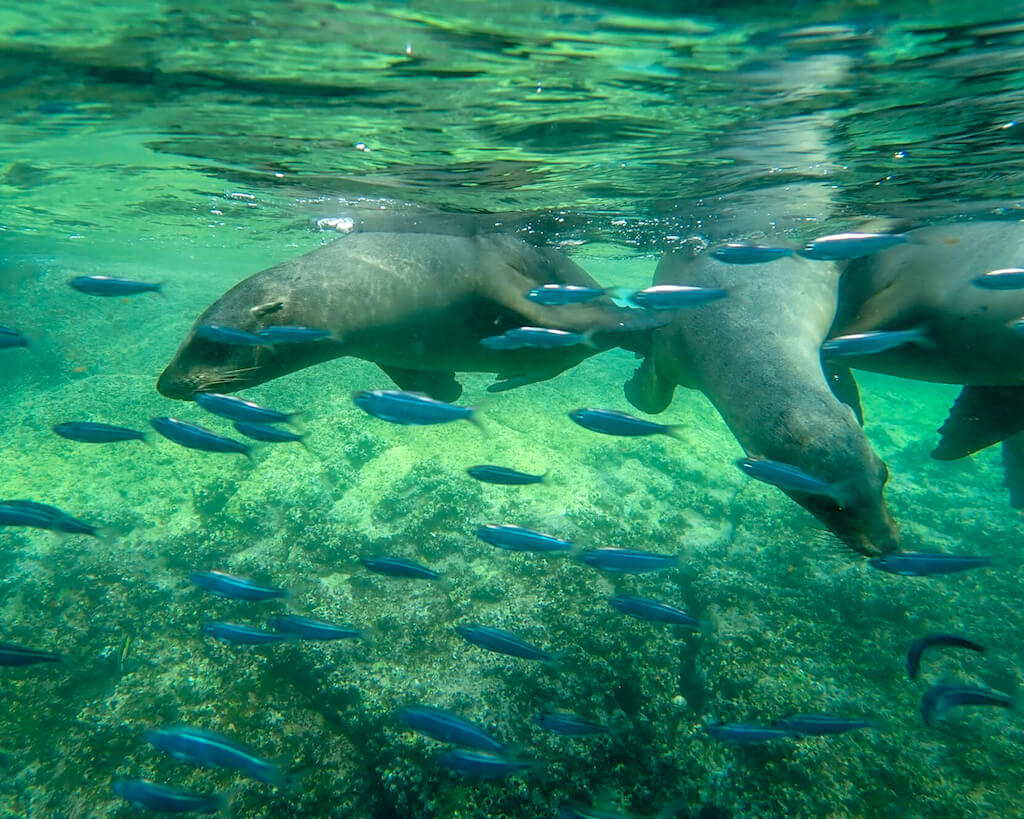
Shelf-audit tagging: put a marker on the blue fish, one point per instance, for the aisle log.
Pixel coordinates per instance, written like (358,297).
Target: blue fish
(44,516)
(613,422)
(918,647)
(164,798)
(850,245)
(504,476)
(501,343)
(238,409)
(627,561)
(399,567)
(110,286)
(819,725)
(923,564)
(212,750)
(15,655)
(90,432)
(654,611)
(227,585)
(241,635)
(740,253)
(938,699)
(503,642)
(560,294)
(194,436)
(520,539)
(11,338)
(789,478)
(230,336)
(447,727)
(745,733)
(872,343)
(306,628)
(545,338)
(674,296)
(410,409)
(483,765)
(292,334)
(1009,278)
(569,724)
(268,434)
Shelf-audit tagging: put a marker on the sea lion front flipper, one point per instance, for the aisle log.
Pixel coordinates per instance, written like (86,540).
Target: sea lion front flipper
(436,384)
(980,417)
(1013,469)
(647,390)
(844,387)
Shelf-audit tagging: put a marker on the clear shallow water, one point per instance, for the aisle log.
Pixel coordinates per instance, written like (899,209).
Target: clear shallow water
(196,146)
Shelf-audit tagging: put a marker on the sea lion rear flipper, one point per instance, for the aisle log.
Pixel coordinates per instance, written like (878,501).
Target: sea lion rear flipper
(844,387)
(1013,469)
(980,417)
(439,385)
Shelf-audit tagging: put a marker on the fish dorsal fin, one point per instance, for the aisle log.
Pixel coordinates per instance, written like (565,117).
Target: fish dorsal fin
(980,417)
(267,309)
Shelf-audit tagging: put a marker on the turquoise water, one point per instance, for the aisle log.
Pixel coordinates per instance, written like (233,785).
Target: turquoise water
(194,146)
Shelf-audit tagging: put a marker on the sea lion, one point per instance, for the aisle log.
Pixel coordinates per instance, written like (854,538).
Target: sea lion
(756,356)
(416,304)
(928,283)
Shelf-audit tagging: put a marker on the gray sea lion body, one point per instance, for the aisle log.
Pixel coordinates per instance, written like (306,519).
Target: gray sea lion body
(756,356)
(417,304)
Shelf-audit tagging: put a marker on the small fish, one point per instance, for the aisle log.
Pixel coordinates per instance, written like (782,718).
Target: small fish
(227,585)
(741,253)
(11,338)
(503,642)
(292,334)
(447,727)
(410,409)
(545,338)
(399,567)
(109,286)
(212,750)
(819,725)
(850,245)
(238,409)
(923,564)
(90,432)
(194,436)
(520,539)
(306,628)
(1009,278)
(15,655)
(1017,326)
(147,795)
(918,647)
(503,475)
(569,724)
(613,422)
(872,343)
(230,336)
(674,296)
(789,478)
(654,611)
(44,516)
(938,699)
(745,733)
(559,294)
(627,561)
(501,343)
(268,434)
(482,765)
(242,635)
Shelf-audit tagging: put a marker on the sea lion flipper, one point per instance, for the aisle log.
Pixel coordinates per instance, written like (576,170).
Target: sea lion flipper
(844,387)
(647,390)
(1013,469)
(980,417)
(439,385)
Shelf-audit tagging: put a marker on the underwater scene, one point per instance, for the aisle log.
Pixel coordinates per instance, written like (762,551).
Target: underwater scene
(550,409)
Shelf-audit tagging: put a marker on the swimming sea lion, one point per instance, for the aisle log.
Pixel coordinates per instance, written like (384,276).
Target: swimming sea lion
(756,356)
(417,304)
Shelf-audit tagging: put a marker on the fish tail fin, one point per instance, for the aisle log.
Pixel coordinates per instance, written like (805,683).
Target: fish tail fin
(148,439)
(474,419)
(107,534)
(705,627)
(675,430)
(336,336)
(622,294)
(158,288)
(842,493)
(445,584)
(248,455)
(588,338)
(546,477)
(555,661)
(298,420)
(877,723)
